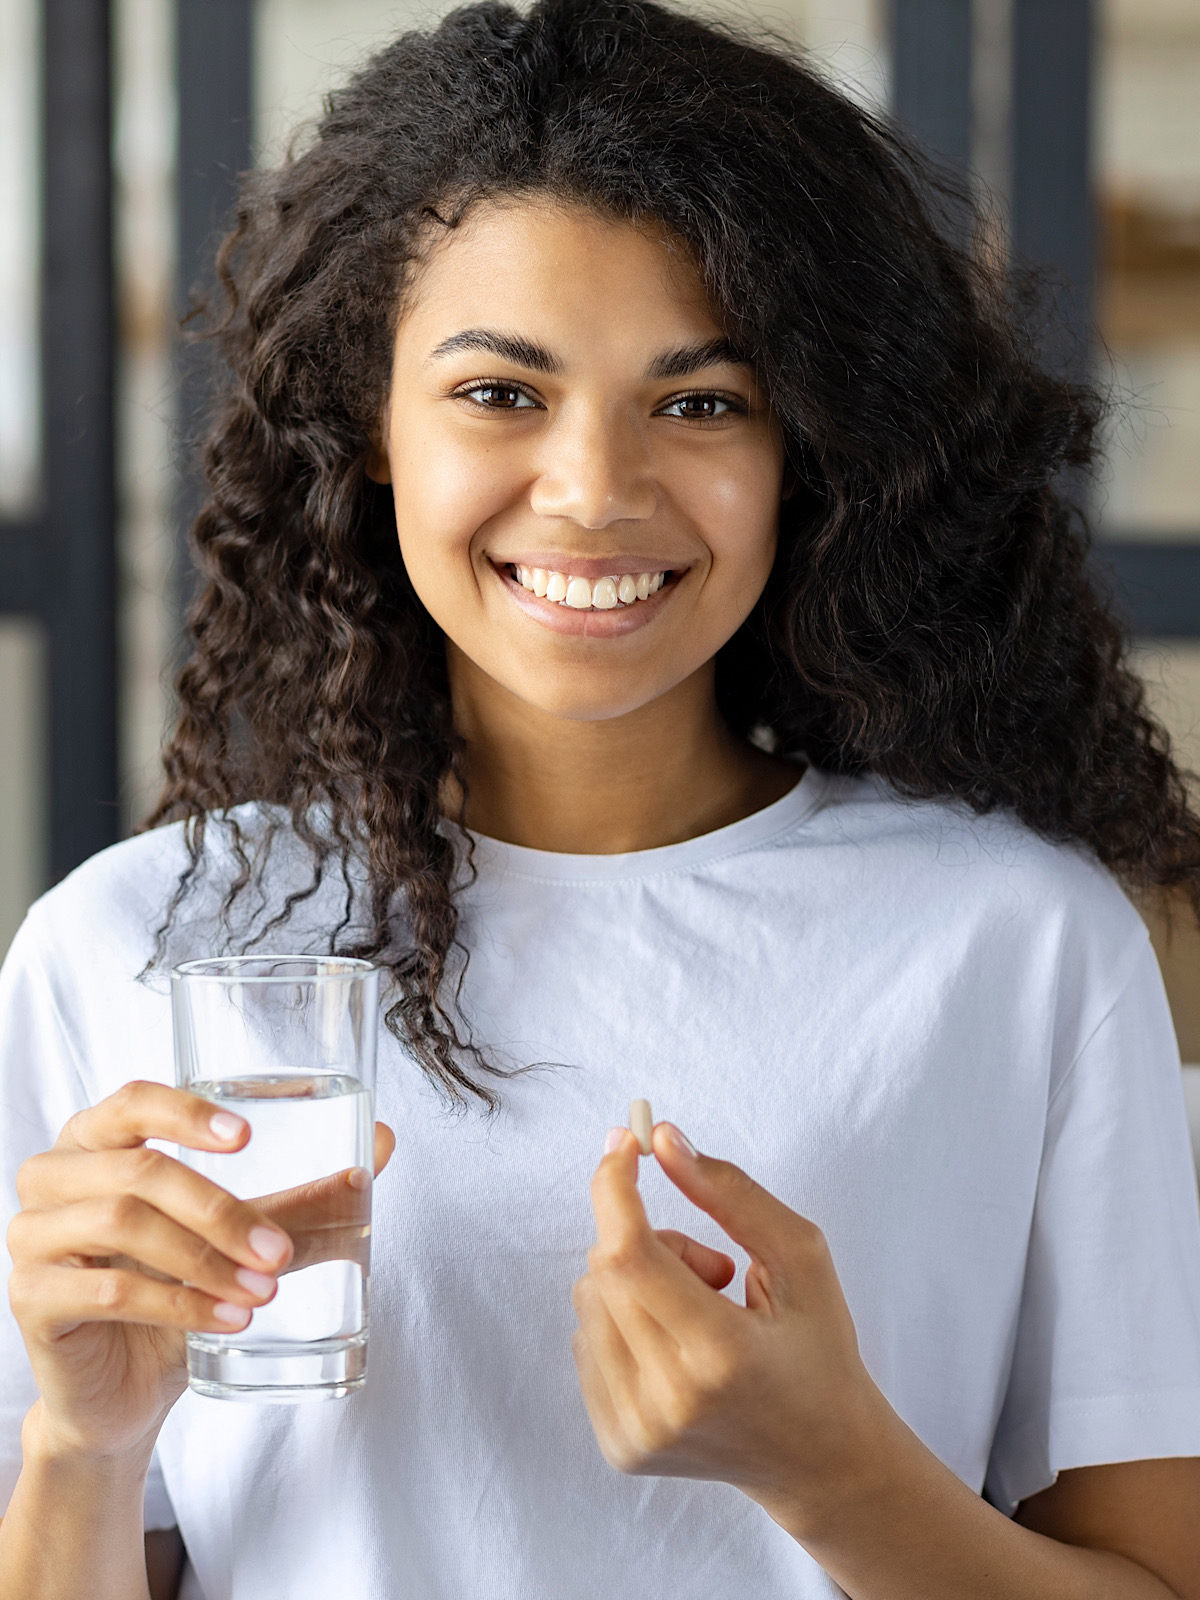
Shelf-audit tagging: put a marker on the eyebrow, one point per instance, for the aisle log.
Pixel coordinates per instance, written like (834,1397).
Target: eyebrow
(508,346)
(525,353)
(692,357)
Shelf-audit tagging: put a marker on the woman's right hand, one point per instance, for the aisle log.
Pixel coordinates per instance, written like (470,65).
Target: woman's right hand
(117,1251)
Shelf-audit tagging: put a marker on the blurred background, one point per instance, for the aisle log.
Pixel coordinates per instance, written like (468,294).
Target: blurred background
(122,123)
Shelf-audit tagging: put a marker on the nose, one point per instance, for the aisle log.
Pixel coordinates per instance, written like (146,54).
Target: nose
(595,470)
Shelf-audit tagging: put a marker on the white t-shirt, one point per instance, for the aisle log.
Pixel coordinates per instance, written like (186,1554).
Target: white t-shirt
(942,1038)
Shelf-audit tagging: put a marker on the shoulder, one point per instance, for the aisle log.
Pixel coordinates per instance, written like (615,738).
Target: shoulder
(947,835)
(940,858)
(83,990)
(127,883)
(73,1020)
(115,903)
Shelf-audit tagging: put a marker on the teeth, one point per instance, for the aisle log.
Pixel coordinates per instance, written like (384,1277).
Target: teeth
(581,595)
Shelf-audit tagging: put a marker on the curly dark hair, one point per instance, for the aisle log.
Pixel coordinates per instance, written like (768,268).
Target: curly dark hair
(931,615)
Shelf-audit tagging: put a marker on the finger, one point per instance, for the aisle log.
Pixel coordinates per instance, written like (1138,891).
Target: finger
(600,1408)
(713,1266)
(341,1200)
(620,1215)
(329,1219)
(653,1346)
(626,1367)
(326,1220)
(608,1345)
(123,1225)
(140,1110)
(632,1265)
(774,1235)
(616,1380)
(50,1302)
(238,1228)
(385,1143)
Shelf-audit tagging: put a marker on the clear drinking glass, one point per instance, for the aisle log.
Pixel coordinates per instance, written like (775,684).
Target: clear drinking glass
(288,1043)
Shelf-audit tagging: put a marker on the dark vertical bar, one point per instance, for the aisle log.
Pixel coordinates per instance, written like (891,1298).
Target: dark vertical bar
(1157,585)
(1052,204)
(213,44)
(931,75)
(77,356)
(22,568)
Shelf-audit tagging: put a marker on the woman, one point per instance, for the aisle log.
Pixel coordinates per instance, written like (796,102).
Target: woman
(640,613)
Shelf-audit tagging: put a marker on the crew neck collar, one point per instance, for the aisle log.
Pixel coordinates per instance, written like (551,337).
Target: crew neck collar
(494,857)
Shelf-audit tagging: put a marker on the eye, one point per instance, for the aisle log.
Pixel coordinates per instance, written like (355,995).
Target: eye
(494,395)
(701,406)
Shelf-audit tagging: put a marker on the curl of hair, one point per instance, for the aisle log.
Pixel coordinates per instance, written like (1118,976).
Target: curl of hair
(930,616)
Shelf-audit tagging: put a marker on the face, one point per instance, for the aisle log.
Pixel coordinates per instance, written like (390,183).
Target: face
(586,479)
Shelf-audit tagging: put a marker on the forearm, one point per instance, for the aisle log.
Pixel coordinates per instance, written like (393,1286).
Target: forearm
(904,1527)
(73,1528)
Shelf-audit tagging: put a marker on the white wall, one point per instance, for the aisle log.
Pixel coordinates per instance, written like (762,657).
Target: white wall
(302,47)
(19,398)
(22,772)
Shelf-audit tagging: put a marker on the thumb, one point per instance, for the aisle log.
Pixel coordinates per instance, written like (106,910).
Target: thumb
(385,1143)
(772,1234)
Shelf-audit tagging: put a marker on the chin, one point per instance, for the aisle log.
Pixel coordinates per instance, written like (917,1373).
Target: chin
(584,702)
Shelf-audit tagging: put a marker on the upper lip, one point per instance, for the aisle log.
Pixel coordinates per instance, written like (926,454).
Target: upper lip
(591,567)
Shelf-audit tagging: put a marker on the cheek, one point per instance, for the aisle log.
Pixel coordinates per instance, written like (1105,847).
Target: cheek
(444,493)
(738,510)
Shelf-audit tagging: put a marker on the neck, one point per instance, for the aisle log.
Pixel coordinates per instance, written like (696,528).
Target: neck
(669,771)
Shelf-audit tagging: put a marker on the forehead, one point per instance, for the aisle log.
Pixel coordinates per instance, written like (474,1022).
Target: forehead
(559,272)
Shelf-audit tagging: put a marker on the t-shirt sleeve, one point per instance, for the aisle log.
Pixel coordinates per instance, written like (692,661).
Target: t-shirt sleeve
(1106,1360)
(41,1087)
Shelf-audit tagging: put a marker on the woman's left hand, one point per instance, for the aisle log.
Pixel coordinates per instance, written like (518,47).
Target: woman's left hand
(680,1381)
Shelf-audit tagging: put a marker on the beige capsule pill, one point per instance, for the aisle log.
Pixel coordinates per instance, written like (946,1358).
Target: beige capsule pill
(641,1125)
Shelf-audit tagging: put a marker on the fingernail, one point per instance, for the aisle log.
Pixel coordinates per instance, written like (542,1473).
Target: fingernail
(359,1178)
(257,1282)
(677,1137)
(267,1244)
(233,1316)
(226,1127)
(612,1140)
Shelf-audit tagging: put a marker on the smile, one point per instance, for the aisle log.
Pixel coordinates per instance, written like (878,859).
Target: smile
(586,594)
(576,596)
